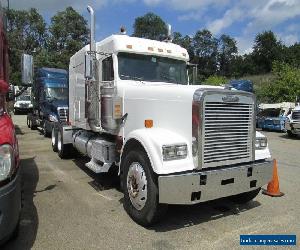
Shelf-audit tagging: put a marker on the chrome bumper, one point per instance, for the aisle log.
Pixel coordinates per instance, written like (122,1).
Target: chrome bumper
(192,188)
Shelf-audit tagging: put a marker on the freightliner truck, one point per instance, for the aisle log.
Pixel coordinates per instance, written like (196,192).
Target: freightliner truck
(132,107)
(50,99)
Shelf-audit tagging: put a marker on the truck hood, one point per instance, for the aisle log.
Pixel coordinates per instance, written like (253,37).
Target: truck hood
(160,90)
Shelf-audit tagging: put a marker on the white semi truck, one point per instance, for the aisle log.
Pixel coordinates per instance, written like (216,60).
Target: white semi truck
(131,107)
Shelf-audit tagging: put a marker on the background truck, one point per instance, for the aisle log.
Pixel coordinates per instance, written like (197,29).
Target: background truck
(292,123)
(50,99)
(22,100)
(10,178)
(132,108)
(273,116)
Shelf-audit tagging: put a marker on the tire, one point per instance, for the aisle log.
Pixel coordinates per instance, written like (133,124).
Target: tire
(28,125)
(64,151)
(45,132)
(290,134)
(144,209)
(245,197)
(54,139)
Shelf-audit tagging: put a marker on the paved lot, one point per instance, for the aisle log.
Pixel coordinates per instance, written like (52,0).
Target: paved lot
(68,207)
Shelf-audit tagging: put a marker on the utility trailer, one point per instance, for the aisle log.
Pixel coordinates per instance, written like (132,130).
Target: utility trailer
(131,107)
(50,99)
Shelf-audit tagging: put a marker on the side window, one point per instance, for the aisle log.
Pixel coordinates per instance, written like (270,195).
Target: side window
(107,69)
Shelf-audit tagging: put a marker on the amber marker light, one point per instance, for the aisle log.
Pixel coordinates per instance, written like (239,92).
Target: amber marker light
(148,123)
(129,46)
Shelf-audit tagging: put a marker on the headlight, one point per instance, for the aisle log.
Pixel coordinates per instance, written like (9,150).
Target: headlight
(53,118)
(17,105)
(174,152)
(6,161)
(261,143)
(30,105)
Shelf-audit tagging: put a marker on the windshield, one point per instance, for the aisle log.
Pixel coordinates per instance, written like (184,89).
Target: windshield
(271,112)
(23,98)
(151,68)
(57,93)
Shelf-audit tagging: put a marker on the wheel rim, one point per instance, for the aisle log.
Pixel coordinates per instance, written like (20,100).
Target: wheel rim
(53,137)
(137,185)
(59,141)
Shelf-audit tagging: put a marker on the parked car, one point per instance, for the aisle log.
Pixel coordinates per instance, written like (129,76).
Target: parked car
(10,187)
(22,104)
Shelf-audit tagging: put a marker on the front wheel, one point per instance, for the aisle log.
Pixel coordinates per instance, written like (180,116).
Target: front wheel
(140,189)
(245,197)
(64,150)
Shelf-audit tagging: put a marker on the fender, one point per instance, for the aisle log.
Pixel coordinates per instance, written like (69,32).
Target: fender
(152,141)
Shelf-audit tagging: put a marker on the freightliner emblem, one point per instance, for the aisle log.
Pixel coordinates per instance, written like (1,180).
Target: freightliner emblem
(230,98)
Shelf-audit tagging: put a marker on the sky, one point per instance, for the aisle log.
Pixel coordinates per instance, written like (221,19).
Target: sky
(241,19)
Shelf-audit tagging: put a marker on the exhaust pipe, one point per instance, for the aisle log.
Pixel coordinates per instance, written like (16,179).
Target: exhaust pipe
(93,114)
(169,34)
(92,31)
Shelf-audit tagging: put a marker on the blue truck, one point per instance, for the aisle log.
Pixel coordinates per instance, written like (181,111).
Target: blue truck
(50,98)
(244,85)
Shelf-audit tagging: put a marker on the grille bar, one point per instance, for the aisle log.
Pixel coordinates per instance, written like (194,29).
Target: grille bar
(296,115)
(63,114)
(227,132)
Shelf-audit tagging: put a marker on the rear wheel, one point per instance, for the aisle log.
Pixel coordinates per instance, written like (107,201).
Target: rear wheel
(140,189)
(45,132)
(245,197)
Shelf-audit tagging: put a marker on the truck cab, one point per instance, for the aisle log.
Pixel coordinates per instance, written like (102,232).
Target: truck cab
(10,184)
(50,99)
(292,124)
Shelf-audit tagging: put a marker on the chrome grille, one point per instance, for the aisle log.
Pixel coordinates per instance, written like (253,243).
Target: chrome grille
(296,115)
(63,114)
(228,133)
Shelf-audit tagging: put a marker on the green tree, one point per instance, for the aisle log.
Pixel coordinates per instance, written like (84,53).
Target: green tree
(266,49)
(185,42)
(226,54)
(68,34)
(205,47)
(150,26)
(284,88)
(26,33)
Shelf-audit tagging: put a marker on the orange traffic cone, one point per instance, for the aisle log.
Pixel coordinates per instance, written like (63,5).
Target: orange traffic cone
(273,186)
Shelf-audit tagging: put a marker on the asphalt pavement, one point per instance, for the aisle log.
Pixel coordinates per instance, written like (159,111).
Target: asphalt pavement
(66,206)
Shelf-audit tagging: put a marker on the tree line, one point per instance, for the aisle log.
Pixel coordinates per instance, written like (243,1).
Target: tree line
(217,58)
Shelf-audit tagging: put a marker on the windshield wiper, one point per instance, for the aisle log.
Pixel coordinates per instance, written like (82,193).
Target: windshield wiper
(133,77)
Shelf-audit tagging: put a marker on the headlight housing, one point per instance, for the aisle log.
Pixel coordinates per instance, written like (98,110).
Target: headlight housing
(261,143)
(53,118)
(174,152)
(6,161)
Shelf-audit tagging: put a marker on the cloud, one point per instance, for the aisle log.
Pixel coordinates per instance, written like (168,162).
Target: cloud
(228,19)
(184,5)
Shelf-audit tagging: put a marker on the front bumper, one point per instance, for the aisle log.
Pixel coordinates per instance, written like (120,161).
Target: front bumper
(294,127)
(10,207)
(195,187)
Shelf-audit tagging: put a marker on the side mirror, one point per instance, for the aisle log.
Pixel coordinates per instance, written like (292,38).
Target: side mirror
(89,66)
(27,69)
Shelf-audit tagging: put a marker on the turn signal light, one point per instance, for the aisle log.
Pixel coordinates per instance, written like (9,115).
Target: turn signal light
(148,123)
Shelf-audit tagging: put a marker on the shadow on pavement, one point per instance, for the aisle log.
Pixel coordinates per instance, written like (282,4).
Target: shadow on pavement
(29,217)
(285,136)
(186,216)
(18,130)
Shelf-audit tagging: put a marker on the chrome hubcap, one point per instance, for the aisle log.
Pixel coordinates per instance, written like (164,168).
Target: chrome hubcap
(137,185)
